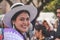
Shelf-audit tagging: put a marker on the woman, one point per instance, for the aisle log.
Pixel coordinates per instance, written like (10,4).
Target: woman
(29,33)
(45,23)
(19,18)
(49,28)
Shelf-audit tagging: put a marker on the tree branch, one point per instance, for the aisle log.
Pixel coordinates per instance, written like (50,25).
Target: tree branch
(9,2)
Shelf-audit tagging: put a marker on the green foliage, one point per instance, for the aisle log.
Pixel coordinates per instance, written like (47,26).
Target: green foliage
(50,7)
(58,2)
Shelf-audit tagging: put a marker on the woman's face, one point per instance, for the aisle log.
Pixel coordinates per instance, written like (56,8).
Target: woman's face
(39,34)
(22,22)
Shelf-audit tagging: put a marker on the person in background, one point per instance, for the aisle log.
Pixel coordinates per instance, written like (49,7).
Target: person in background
(57,35)
(48,28)
(45,23)
(19,18)
(40,33)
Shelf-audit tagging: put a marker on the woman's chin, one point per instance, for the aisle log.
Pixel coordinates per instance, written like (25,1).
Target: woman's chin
(25,30)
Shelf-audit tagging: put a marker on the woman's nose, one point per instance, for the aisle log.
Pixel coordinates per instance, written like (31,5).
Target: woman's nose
(25,22)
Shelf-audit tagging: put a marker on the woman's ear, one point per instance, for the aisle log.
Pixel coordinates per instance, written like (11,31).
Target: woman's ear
(13,21)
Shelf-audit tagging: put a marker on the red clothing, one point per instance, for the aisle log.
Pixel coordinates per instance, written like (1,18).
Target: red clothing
(1,37)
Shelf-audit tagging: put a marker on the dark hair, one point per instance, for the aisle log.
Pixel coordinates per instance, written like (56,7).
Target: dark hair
(57,7)
(44,31)
(39,27)
(17,14)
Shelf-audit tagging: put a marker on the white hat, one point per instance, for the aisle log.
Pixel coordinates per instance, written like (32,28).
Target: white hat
(15,4)
(30,8)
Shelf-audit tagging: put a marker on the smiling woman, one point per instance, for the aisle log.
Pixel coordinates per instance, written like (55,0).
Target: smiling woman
(19,18)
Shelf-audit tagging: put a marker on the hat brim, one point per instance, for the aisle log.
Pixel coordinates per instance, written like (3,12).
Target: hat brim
(30,8)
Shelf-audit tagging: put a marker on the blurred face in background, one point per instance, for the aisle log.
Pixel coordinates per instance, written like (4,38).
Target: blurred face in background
(39,34)
(46,24)
(58,13)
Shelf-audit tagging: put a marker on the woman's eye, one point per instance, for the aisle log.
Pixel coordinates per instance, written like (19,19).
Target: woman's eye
(22,19)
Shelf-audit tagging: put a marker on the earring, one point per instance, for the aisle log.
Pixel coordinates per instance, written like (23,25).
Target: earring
(13,26)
